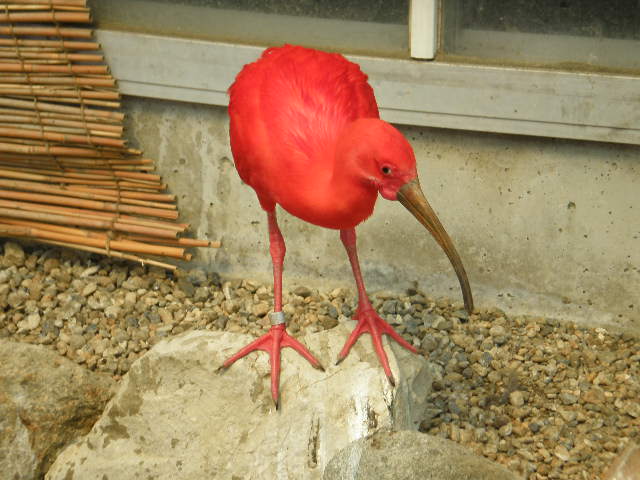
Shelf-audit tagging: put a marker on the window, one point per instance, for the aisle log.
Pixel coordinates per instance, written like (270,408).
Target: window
(573,35)
(566,68)
(374,27)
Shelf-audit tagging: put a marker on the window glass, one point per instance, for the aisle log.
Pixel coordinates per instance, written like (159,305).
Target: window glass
(375,27)
(567,34)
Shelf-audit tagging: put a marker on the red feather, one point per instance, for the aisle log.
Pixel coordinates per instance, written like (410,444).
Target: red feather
(287,112)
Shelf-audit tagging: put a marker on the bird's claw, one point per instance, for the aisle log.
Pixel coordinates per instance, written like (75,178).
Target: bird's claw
(370,322)
(273,342)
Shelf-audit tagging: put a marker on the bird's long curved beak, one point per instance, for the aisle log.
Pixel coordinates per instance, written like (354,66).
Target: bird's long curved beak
(411,197)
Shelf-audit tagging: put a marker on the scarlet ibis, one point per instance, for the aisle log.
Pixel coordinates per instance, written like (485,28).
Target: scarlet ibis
(306,135)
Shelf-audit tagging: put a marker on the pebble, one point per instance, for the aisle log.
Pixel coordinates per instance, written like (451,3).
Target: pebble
(545,398)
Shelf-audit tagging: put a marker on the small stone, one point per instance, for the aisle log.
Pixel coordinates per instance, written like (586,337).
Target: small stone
(89,289)
(594,395)
(480,370)
(442,323)
(112,311)
(568,415)
(89,271)
(13,255)
(31,322)
(260,309)
(561,452)
(516,398)
(303,292)
(497,331)
(568,398)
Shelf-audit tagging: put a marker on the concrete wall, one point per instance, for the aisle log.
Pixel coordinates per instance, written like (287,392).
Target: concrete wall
(543,226)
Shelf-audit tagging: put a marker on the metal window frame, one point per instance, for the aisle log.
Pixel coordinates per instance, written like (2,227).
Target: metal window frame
(585,106)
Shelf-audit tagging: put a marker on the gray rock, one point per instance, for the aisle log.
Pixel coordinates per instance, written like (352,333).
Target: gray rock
(406,455)
(46,402)
(176,417)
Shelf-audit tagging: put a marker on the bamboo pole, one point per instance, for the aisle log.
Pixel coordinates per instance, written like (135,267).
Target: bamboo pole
(47,32)
(104,219)
(114,253)
(89,204)
(156,197)
(70,216)
(62,138)
(37,115)
(57,44)
(23,116)
(52,107)
(55,190)
(123,245)
(67,57)
(73,231)
(82,101)
(52,16)
(47,3)
(185,242)
(48,91)
(86,69)
(105,81)
(27,123)
(69,174)
(49,150)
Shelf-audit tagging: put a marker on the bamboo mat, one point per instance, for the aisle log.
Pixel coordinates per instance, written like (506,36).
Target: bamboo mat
(67,176)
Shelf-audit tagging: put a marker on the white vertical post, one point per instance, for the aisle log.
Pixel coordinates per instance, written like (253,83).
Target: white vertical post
(423,19)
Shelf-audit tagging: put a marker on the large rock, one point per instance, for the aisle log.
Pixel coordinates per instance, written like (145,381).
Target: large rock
(175,417)
(388,455)
(46,401)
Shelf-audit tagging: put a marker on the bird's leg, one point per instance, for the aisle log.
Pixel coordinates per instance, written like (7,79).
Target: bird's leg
(368,320)
(277,337)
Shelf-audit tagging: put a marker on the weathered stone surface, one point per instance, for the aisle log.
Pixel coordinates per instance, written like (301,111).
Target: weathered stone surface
(406,455)
(176,417)
(46,401)
(626,466)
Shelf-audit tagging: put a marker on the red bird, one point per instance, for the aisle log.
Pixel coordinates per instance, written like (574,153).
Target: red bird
(306,135)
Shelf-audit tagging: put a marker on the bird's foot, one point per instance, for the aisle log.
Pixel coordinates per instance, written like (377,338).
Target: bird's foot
(272,342)
(370,322)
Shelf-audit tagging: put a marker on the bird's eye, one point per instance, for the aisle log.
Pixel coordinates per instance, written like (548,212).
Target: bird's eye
(386,170)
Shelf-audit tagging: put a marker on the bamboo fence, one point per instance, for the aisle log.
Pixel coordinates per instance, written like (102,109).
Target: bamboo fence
(67,176)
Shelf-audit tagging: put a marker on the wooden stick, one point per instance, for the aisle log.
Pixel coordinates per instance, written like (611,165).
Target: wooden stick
(54,190)
(47,3)
(125,245)
(98,219)
(69,230)
(52,107)
(65,57)
(82,101)
(71,174)
(27,123)
(41,90)
(35,17)
(22,67)
(62,138)
(106,82)
(22,116)
(58,44)
(114,253)
(186,242)
(88,204)
(104,124)
(70,216)
(156,197)
(47,32)
(50,150)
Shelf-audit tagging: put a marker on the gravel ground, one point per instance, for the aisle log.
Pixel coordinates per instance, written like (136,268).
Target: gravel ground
(548,399)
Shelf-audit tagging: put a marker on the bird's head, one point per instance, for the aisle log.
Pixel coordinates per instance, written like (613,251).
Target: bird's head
(377,154)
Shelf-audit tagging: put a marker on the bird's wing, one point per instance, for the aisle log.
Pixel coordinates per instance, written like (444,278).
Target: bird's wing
(288,108)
